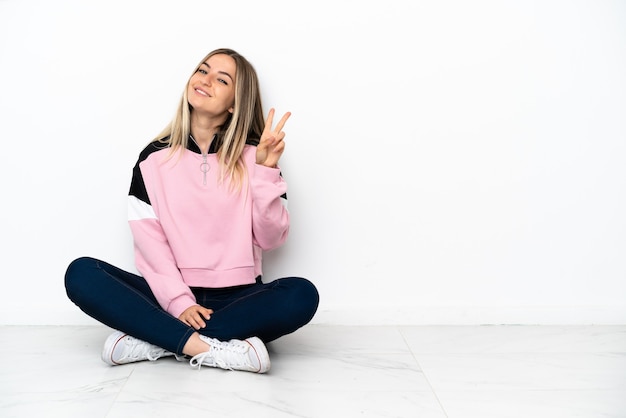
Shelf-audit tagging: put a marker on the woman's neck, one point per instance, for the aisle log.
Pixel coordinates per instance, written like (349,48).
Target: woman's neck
(203,130)
(203,138)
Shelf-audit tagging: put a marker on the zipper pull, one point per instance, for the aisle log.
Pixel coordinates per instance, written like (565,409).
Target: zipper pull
(204,167)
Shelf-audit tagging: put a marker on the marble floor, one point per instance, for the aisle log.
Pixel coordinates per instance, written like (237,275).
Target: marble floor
(330,371)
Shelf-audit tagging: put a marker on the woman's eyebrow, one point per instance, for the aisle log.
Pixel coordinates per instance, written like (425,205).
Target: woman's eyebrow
(220,72)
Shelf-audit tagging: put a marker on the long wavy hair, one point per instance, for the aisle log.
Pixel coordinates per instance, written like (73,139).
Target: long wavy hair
(244,124)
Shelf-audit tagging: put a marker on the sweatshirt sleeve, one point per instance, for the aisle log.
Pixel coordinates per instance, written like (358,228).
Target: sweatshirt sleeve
(153,256)
(270,217)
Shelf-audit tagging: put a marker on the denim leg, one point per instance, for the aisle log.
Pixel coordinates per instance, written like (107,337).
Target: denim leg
(123,301)
(267,311)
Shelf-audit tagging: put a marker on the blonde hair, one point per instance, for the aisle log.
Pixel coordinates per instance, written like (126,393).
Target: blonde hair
(244,124)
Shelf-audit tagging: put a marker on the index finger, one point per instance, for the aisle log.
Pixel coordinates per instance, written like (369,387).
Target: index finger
(268,122)
(205,312)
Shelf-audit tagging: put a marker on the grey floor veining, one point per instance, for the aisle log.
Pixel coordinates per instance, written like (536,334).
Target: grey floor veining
(330,371)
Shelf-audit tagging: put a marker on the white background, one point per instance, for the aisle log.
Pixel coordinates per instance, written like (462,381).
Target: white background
(447,161)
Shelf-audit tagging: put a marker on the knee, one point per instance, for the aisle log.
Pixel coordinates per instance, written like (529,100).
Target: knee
(306,298)
(311,293)
(76,276)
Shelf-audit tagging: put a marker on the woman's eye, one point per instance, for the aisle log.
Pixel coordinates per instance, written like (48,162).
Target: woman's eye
(201,71)
(221,80)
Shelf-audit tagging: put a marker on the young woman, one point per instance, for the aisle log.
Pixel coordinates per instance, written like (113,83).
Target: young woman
(206,199)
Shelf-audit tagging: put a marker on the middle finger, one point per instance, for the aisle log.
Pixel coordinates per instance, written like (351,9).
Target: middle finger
(281,123)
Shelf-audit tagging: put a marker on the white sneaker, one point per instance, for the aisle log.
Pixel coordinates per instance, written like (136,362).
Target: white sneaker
(121,348)
(248,355)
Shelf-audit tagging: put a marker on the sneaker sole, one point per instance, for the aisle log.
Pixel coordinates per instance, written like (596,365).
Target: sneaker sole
(109,346)
(261,352)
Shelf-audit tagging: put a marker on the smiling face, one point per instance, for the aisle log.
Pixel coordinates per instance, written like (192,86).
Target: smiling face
(211,89)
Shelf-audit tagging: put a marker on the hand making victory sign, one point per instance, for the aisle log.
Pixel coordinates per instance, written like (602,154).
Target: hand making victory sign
(271,145)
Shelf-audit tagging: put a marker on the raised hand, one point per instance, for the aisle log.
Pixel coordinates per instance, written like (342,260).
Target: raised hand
(271,144)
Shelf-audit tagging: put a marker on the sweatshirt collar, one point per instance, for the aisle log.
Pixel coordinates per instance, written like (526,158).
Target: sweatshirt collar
(193,146)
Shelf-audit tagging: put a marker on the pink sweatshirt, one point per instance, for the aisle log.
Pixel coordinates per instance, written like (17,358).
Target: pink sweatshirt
(191,231)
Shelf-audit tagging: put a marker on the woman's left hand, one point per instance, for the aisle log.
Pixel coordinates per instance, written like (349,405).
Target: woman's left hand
(271,145)
(196,316)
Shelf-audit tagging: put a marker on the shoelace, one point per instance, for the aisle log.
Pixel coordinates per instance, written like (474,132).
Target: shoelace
(137,350)
(225,355)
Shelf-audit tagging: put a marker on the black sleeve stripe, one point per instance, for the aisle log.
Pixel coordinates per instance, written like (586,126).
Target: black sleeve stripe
(137,185)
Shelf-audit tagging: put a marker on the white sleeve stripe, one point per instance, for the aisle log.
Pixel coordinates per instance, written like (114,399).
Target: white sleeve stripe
(138,209)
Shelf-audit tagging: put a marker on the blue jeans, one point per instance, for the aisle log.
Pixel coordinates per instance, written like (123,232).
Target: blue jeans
(124,301)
